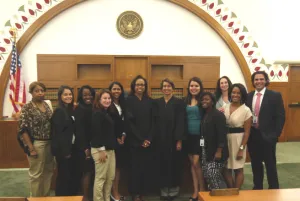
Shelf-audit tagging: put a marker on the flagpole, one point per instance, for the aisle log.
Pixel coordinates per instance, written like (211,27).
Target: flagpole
(14,34)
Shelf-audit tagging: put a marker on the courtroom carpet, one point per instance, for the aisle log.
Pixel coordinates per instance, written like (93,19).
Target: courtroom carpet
(14,182)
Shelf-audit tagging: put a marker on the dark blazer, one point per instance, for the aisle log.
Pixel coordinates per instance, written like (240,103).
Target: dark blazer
(271,115)
(83,126)
(119,120)
(214,131)
(103,130)
(63,128)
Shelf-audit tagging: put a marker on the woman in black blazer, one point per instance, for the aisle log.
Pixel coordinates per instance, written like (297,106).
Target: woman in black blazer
(83,126)
(63,138)
(213,142)
(103,144)
(118,114)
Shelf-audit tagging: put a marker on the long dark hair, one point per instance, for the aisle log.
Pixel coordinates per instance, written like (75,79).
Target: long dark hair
(80,94)
(188,99)
(218,92)
(132,86)
(61,104)
(122,96)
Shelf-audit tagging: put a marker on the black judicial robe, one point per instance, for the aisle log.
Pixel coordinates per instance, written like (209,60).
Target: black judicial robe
(169,124)
(140,120)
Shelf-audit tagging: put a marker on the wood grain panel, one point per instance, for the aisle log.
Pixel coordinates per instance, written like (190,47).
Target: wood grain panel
(63,70)
(292,127)
(127,68)
(294,73)
(282,87)
(205,71)
(183,59)
(174,72)
(11,155)
(294,92)
(94,72)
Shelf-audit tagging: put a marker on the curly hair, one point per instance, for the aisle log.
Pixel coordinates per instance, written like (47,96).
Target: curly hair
(243,92)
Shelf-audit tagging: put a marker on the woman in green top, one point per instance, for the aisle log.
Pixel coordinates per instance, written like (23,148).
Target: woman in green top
(193,119)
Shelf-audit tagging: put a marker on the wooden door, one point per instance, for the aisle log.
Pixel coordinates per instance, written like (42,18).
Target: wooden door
(293,128)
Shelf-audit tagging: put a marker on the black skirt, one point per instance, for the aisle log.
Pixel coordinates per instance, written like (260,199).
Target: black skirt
(192,145)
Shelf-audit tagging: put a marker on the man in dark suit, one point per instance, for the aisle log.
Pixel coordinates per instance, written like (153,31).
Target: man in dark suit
(268,121)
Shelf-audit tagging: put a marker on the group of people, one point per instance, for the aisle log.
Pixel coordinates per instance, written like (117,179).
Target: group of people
(89,140)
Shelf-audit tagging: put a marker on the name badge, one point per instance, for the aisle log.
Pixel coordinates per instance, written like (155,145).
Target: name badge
(201,142)
(254,119)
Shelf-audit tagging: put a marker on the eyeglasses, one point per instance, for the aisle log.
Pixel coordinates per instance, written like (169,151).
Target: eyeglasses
(139,85)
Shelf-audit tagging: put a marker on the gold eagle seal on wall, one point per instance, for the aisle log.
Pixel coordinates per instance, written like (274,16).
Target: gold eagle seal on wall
(129,24)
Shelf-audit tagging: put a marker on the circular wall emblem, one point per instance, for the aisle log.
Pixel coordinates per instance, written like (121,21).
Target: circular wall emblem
(130,24)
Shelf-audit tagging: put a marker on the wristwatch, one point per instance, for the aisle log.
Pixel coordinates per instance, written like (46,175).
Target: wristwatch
(242,147)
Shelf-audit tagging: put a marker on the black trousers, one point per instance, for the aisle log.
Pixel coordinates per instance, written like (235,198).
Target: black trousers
(260,151)
(69,175)
(141,159)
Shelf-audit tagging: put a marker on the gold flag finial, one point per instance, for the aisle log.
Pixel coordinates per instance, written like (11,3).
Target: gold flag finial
(14,34)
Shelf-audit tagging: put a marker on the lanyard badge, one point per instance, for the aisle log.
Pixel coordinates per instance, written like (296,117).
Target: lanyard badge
(202,142)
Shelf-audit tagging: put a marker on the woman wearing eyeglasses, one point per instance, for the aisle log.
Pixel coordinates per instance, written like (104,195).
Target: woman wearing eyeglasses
(140,117)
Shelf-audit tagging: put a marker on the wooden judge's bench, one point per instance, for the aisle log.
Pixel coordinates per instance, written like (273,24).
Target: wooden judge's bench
(11,155)
(256,195)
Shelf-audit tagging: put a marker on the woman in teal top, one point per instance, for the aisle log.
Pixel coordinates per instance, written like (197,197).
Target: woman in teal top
(193,119)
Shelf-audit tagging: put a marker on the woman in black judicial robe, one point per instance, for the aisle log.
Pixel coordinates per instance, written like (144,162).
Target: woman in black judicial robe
(140,136)
(169,122)
(83,124)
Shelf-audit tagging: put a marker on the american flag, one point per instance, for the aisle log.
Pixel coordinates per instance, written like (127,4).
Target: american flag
(17,94)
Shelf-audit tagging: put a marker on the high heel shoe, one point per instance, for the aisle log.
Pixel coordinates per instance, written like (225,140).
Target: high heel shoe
(193,199)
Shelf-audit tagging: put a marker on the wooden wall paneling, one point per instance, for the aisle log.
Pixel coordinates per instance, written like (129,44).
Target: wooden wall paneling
(293,107)
(126,68)
(56,67)
(94,67)
(94,59)
(282,87)
(150,83)
(160,72)
(205,71)
(182,59)
(100,72)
